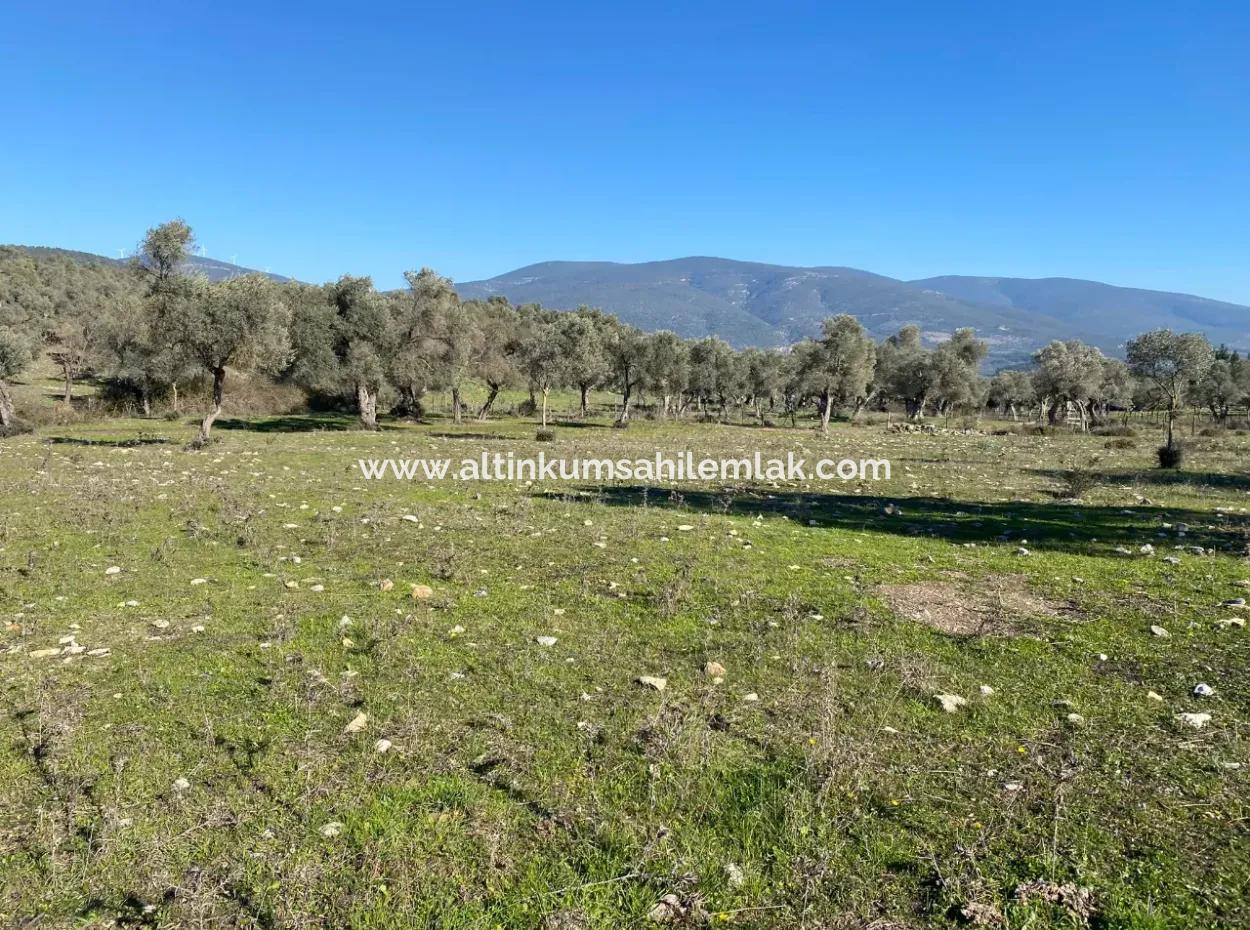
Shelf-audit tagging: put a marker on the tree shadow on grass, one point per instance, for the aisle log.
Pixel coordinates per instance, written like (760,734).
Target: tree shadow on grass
(130,443)
(479,436)
(1068,527)
(303,423)
(1168,478)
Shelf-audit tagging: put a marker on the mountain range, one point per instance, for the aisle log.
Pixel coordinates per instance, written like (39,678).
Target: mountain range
(756,304)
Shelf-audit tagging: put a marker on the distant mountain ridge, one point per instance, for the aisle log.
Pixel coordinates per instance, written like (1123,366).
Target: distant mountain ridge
(751,303)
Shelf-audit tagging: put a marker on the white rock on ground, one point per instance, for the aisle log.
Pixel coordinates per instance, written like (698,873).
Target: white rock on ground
(1196,721)
(546,640)
(653,681)
(357,724)
(950,702)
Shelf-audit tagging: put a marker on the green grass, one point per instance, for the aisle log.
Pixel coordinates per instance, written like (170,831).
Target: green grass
(534,786)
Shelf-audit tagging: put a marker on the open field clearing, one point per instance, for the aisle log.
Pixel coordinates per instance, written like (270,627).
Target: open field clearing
(245,687)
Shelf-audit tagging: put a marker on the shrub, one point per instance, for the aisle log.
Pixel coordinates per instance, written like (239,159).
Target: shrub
(1123,442)
(1078,480)
(1171,456)
(545,435)
(16,428)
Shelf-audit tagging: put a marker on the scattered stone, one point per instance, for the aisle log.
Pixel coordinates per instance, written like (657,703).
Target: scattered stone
(1076,720)
(422,592)
(1159,631)
(684,528)
(546,640)
(715,671)
(986,691)
(950,702)
(653,682)
(1203,690)
(1196,721)
(1230,622)
(734,875)
(333,828)
(357,724)
(409,518)
(386,584)
(1154,696)
(383,746)
(181,784)
(751,698)
(113,570)
(199,581)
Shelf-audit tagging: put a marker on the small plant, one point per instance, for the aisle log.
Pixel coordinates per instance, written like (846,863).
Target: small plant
(1078,480)
(1121,442)
(1171,456)
(546,434)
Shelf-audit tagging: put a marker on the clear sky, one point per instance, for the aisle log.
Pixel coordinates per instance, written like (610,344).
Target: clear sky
(1108,141)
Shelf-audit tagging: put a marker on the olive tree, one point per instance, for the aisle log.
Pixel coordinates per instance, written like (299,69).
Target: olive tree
(344,337)
(1068,372)
(501,330)
(542,357)
(626,349)
(16,352)
(838,367)
(239,323)
(1171,363)
(586,361)
(1010,390)
(666,367)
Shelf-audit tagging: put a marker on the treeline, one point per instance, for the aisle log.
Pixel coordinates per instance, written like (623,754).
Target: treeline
(145,329)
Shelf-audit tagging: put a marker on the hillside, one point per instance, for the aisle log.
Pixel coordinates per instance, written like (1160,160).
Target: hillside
(749,303)
(211,268)
(1113,312)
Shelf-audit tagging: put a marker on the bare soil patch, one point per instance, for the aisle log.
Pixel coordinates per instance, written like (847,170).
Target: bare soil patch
(991,606)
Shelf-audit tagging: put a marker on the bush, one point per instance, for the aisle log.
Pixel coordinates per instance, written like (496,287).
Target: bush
(1122,442)
(1114,431)
(1078,480)
(546,434)
(1171,456)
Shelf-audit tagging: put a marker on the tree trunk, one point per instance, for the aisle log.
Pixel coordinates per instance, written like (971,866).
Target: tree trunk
(7,414)
(69,386)
(826,407)
(1011,408)
(145,399)
(214,410)
(455,404)
(625,398)
(174,386)
(490,400)
(585,389)
(1171,418)
(367,404)
(546,391)
(860,403)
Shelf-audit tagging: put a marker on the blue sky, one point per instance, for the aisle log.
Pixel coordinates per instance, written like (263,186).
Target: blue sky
(1107,141)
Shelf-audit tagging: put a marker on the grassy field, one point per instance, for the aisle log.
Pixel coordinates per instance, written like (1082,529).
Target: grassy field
(190,640)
